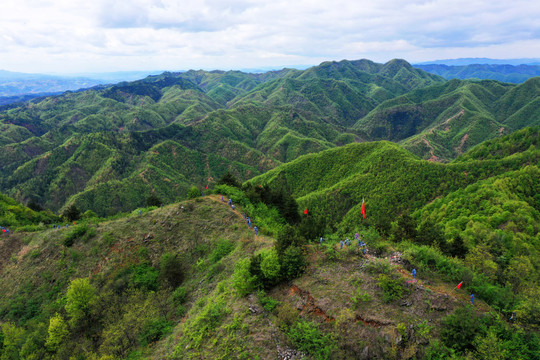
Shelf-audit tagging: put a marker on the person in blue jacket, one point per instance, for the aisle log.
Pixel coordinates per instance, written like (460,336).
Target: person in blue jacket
(341,244)
(472,299)
(413,273)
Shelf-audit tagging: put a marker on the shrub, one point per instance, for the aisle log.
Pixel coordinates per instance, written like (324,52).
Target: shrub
(307,337)
(193,192)
(286,315)
(223,248)
(170,269)
(360,297)
(80,297)
(377,266)
(153,330)
(230,180)
(392,288)
(289,236)
(460,328)
(71,213)
(292,262)
(153,200)
(57,332)
(145,277)
(267,302)
(74,234)
(242,280)
(270,266)
(179,295)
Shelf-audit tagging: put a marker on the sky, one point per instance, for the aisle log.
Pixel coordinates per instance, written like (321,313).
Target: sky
(73,36)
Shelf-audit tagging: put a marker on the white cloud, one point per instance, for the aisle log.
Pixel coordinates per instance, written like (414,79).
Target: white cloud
(102,35)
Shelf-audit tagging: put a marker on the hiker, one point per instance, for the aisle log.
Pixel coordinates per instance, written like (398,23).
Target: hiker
(472,299)
(357,236)
(321,240)
(232,206)
(139,212)
(341,244)
(347,241)
(249,222)
(256,231)
(222,199)
(413,273)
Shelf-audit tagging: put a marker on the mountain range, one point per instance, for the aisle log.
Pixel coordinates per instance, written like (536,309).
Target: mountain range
(351,210)
(119,144)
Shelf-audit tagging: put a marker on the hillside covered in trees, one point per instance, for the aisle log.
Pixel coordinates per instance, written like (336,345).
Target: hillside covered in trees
(107,150)
(169,282)
(123,244)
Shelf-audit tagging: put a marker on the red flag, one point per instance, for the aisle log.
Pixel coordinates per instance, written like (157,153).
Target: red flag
(305,212)
(459,285)
(206,187)
(363,209)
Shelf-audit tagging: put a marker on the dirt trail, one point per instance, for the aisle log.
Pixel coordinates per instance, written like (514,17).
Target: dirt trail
(237,212)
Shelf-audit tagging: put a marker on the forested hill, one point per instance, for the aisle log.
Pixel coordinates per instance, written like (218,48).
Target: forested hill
(195,280)
(108,149)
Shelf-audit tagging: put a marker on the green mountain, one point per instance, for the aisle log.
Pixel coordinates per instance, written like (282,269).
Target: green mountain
(441,122)
(501,72)
(108,150)
(87,147)
(192,281)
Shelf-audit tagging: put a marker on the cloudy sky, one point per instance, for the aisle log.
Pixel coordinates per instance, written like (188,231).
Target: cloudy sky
(71,36)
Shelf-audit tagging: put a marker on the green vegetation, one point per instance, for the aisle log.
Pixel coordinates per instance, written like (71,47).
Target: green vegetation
(186,278)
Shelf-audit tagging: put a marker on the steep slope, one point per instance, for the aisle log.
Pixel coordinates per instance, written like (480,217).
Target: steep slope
(442,122)
(333,183)
(175,283)
(56,148)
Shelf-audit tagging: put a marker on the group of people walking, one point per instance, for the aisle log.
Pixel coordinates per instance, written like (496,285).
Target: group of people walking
(247,218)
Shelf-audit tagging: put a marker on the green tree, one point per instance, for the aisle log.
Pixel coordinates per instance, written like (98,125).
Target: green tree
(57,333)
(80,297)
(229,179)
(153,200)
(243,280)
(293,263)
(289,236)
(193,192)
(13,341)
(490,347)
(170,270)
(404,229)
(71,213)
(270,266)
(460,328)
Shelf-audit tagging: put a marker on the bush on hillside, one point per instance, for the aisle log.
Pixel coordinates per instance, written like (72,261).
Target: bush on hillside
(193,192)
(170,270)
(153,200)
(71,213)
(80,297)
(307,337)
(293,263)
(230,180)
(392,287)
